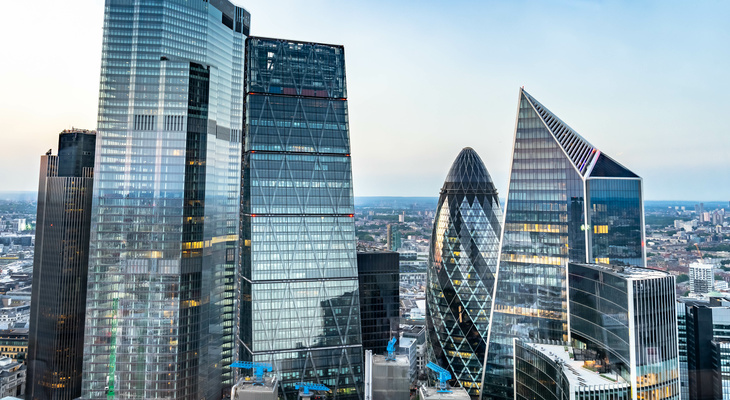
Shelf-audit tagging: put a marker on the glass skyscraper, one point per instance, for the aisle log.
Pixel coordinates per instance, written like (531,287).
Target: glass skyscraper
(160,312)
(462,269)
(300,309)
(567,202)
(58,299)
(379,279)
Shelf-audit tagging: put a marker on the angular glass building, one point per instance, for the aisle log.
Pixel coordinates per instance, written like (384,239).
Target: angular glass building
(462,269)
(567,202)
(300,308)
(58,295)
(160,312)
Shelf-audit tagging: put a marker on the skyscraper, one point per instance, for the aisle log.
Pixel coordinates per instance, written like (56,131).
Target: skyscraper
(164,235)
(299,309)
(567,202)
(379,280)
(462,269)
(60,264)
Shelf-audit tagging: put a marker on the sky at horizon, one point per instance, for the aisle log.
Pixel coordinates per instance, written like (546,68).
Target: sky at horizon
(642,81)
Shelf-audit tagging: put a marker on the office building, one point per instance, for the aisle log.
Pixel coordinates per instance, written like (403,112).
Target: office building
(300,308)
(705,336)
(13,377)
(164,235)
(567,202)
(462,270)
(701,278)
(379,286)
(58,293)
(623,322)
(14,344)
(393,239)
(551,371)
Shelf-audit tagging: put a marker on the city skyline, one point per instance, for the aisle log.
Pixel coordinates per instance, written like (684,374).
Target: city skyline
(653,70)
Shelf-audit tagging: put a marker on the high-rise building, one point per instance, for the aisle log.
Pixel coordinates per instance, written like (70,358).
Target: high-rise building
(623,321)
(567,202)
(163,255)
(379,280)
(706,339)
(462,269)
(60,265)
(701,278)
(300,308)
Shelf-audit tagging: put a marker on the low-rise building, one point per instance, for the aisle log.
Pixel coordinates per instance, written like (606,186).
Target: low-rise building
(12,378)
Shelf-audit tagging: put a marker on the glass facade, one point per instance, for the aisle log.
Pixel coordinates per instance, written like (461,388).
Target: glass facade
(379,277)
(300,308)
(625,318)
(721,367)
(462,268)
(567,202)
(541,374)
(58,295)
(164,235)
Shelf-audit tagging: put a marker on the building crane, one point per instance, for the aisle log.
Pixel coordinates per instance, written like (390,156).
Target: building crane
(391,350)
(444,376)
(698,251)
(305,387)
(258,370)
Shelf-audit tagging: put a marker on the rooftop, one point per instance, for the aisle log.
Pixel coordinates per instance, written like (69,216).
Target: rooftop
(574,370)
(245,386)
(431,393)
(626,272)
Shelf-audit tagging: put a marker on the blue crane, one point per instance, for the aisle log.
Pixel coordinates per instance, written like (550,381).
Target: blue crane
(444,376)
(258,369)
(391,350)
(306,387)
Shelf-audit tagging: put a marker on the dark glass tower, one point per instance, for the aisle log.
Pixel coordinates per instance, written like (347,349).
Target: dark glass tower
(567,202)
(60,264)
(462,269)
(379,276)
(161,315)
(300,309)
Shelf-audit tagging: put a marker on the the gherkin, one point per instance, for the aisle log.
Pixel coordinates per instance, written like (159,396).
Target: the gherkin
(462,270)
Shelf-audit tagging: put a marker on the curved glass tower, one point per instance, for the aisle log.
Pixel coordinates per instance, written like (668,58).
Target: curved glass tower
(462,269)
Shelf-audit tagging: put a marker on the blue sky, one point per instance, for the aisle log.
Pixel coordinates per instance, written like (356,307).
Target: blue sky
(645,82)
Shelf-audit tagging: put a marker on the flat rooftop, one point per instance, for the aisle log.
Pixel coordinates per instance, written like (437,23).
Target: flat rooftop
(627,272)
(431,393)
(400,360)
(577,375)
(244,386)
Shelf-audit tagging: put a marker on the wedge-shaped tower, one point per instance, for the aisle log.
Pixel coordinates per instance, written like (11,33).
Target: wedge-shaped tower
(462,269)
(567,202)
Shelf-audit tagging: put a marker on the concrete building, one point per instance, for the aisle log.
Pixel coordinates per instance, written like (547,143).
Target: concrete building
(246,390)
(387,379)
(12,377)
(701,278)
